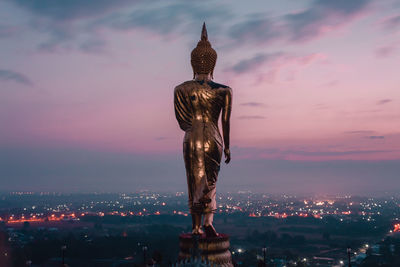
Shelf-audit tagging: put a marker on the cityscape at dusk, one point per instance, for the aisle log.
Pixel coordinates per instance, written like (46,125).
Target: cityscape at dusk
(210,133)
(303,224)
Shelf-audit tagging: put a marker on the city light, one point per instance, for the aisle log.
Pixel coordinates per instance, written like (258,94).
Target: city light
(257,207)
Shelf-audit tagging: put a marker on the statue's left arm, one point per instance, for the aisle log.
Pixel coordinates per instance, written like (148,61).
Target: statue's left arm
(226,115)
(182,111)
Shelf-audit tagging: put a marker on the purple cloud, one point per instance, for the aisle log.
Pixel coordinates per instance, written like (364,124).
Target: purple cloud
(259,30)
(391,23)
(364,132)
(376,137)
(250,64)
(275,62)
(170,18)
(322,16)
(334,153)
(68,22)
(58,19)
(9,75)
(93,45)
(71,9)
(7,31)
(385,51)
(287,153)
(251,117)
(253,104)
(384,101)
(360,132)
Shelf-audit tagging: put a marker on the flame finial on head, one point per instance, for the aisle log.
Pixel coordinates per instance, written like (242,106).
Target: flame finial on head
(204,36)
(203,57)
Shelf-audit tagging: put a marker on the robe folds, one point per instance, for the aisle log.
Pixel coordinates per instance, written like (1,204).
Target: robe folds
(198,105)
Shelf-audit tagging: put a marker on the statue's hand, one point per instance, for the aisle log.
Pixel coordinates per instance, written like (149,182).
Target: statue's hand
(227,153)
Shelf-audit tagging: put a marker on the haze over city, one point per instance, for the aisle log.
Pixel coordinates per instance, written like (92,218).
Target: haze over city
(86,94)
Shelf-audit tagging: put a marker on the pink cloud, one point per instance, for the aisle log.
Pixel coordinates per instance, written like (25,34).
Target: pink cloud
(385,51)
(267,67)
(310,23)
(390,23)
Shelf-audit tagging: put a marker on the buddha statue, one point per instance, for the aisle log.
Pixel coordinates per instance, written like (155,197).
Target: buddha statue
(198,104)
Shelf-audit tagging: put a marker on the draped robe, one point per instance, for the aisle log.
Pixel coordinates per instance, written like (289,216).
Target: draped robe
(198,105)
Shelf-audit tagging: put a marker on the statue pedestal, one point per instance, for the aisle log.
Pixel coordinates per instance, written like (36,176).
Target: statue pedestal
(213,249)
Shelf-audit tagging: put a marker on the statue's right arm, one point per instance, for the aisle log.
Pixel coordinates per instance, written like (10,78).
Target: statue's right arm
(182,111)
(226,115)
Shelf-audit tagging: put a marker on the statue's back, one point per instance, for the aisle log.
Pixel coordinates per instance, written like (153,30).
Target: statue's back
(199,101)
(198,105)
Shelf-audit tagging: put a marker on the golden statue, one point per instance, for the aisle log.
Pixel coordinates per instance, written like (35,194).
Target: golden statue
(198,104)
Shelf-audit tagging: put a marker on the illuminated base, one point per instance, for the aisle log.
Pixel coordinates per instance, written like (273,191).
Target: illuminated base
(214,249)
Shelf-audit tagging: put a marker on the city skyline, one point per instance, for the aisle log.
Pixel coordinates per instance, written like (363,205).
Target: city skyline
(290,229)
(86,94)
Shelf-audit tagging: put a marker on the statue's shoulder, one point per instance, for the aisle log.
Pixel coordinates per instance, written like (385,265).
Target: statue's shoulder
(224,89)
(215,85)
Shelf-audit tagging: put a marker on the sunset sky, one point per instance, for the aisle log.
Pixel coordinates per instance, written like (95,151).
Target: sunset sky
(86,93)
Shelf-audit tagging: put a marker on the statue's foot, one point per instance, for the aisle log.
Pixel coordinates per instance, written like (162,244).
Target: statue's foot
(210,231)
(197,231)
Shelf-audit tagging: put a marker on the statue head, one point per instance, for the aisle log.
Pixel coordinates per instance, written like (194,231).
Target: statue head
(203,57)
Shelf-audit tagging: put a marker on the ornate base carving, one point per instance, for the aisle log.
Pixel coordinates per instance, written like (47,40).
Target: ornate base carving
(212,249)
